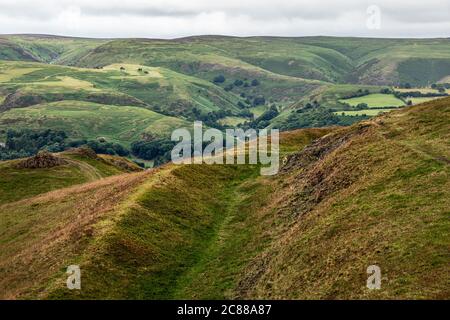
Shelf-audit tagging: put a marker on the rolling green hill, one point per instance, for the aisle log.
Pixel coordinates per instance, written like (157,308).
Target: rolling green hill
(88,120)
(374,193)
(217,79)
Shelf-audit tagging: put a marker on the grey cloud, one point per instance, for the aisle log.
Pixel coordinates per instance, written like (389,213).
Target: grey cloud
(173,18)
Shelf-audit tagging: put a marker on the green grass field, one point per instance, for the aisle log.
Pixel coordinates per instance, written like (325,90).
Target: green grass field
(375,100)
(367,112)
(121,124)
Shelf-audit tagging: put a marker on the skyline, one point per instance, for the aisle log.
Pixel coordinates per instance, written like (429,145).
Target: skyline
(172,19)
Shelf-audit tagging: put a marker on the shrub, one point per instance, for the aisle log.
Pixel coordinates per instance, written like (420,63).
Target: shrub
(219,79)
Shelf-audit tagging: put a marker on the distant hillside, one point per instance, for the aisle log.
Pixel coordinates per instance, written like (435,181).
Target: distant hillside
(359,60)
(375,193)
(257,82)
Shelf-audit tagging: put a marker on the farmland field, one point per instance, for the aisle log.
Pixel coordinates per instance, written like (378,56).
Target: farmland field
(367,112)
(232,121)
(375,100)
(422,99)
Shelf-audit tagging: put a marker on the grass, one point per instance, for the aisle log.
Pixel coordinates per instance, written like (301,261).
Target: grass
(232,121)
(121,124)
(17,184)
(375,100)
(258,110)
(367,112)
(420,100)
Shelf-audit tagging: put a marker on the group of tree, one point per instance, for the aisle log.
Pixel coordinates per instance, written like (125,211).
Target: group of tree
(359,93)
(264,119)
(28,142)
(311,117)
(236,83)
(418,94)
(440,87)
(157,150)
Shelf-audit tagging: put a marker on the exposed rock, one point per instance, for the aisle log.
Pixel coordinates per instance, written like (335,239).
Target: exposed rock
(43,159)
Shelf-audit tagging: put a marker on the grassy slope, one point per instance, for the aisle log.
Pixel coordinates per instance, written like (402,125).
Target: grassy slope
(286,68)
(122,124)
(380,196)
(48,49)
(17,184)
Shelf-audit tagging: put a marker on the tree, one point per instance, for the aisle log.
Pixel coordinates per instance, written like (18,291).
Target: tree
(255,82)
(259,101)
(238,83)
(241,105)
(219,79)
(362,106)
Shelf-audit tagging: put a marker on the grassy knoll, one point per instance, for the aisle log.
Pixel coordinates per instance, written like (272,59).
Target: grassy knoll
(375,100)
(370,200)
(16,184)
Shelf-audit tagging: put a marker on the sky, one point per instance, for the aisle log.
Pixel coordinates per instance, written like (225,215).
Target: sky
(180,18)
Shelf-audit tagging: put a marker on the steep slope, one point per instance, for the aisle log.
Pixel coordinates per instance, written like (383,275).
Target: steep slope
(376,193)
(45,48)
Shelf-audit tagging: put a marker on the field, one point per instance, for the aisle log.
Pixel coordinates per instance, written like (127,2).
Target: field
(86,120)
(375,100)
(367,112)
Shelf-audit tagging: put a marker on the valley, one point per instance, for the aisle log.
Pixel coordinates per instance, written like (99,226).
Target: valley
(86,176)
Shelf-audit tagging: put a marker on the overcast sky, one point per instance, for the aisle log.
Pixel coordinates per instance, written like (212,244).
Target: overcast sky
(179,18)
